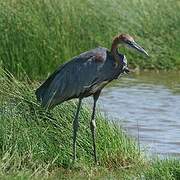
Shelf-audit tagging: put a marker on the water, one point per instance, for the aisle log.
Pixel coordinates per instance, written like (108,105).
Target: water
(151,102)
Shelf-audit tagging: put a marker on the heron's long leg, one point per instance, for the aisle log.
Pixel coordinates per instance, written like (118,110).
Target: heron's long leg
(75,129)
(93,125)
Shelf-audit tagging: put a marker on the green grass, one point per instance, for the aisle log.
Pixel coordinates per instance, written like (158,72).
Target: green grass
(37,36)
(35,140)
(163,169)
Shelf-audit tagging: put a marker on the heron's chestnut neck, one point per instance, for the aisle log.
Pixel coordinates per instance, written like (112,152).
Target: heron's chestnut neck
(114,50)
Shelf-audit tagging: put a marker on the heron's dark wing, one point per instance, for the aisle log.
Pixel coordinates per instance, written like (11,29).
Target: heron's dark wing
(73,78)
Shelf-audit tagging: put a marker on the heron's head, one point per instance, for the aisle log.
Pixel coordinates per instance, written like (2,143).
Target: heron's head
(128,40)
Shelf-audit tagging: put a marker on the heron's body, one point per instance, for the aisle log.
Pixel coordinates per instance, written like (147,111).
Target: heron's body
(83,76)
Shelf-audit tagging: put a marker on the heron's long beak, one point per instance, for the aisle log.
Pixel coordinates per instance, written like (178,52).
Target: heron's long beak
(138,48)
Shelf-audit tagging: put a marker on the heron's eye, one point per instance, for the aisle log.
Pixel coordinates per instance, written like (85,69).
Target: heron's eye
(129,42)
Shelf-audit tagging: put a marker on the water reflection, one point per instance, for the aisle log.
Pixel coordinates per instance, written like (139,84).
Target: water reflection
(153,101)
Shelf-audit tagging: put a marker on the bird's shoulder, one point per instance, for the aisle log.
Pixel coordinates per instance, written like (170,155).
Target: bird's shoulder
(94,56)
(97,55)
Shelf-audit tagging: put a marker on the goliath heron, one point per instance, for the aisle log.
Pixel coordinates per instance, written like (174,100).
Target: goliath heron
(83,76)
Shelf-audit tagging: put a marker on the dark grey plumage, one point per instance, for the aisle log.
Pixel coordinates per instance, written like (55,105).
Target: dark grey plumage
(85,75)
(81,77)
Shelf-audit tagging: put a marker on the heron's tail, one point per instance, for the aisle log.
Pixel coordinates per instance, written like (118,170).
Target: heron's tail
(39,94)
(44,98)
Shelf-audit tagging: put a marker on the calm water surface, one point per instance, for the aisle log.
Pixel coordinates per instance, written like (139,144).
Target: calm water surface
(150,101)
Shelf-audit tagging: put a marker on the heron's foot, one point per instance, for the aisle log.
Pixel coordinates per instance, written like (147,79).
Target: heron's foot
(96,163)
(74,160)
